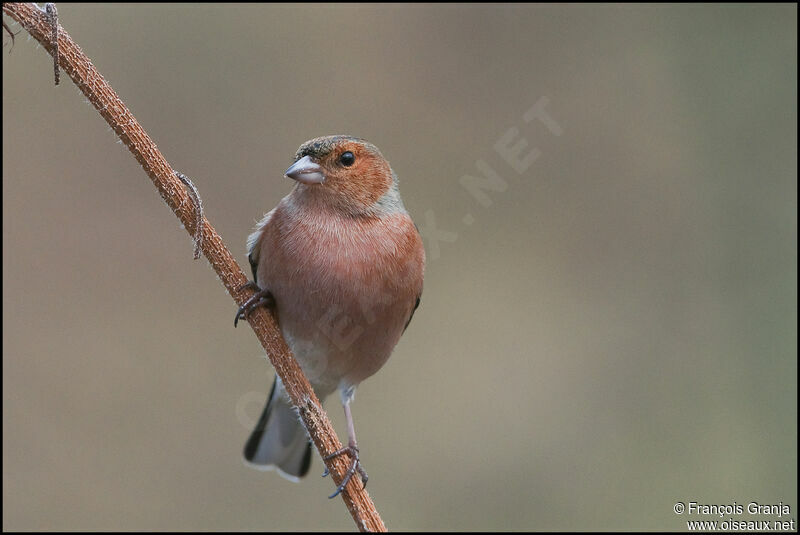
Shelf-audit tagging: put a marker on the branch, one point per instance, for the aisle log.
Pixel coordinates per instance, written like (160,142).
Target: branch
(78,67)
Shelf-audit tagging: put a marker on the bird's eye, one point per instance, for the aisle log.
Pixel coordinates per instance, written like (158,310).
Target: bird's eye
(347,159)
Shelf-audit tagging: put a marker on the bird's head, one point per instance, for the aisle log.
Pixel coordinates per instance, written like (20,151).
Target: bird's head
(345,173)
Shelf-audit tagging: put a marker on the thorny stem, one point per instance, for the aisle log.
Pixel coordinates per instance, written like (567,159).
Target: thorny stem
(83,73)
(52,14)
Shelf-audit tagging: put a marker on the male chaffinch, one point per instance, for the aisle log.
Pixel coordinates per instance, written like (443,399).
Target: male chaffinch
(341,263)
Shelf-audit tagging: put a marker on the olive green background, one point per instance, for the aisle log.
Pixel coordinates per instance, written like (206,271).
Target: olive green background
(615,332)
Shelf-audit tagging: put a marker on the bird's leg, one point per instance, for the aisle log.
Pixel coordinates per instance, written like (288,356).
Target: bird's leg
(352,449)
(260,298)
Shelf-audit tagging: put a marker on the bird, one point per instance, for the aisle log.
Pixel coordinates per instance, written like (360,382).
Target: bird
(341,264)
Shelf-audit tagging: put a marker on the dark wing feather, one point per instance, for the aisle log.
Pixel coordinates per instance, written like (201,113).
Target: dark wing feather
(253,266)
(416,305)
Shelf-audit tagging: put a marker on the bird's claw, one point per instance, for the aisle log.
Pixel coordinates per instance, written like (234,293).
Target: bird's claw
(260,298)
(356,465)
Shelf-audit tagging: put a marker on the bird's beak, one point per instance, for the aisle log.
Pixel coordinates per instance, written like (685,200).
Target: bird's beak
(306,170)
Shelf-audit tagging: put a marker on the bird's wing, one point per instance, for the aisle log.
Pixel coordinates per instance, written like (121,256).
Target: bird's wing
(416,305)
(253,240)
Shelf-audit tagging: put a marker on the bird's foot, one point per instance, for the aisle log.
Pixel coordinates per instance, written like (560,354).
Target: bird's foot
(260,298)
(352,449)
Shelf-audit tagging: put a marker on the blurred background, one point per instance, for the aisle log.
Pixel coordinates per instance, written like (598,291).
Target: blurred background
(610,331)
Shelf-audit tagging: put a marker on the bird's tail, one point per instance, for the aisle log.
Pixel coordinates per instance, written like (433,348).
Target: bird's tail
(279,439)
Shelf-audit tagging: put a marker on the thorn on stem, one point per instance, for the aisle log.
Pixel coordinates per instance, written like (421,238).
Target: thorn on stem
(7,28)
(198,213)
(52,14)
